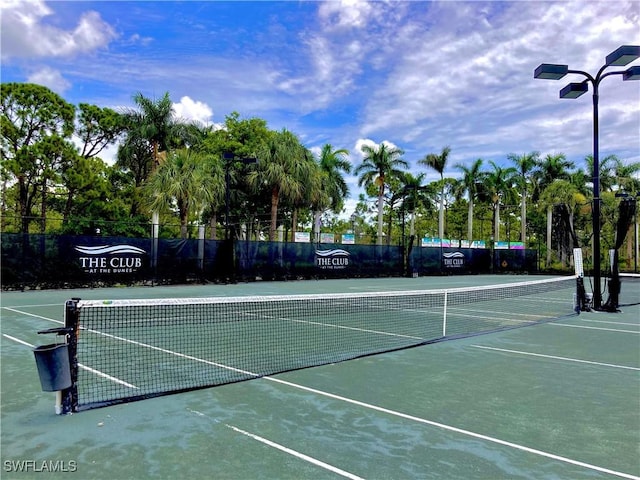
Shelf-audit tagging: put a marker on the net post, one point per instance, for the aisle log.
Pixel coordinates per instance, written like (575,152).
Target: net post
(581,303)
(444,316)
(69,395)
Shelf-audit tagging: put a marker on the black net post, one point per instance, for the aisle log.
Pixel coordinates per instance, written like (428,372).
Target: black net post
(72,323)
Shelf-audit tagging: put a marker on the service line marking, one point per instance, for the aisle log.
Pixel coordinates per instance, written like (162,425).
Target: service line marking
(566,359)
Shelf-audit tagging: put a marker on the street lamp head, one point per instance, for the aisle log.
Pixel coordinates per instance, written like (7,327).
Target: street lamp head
(632,73)
(550,71)
(623,55)
(574,90)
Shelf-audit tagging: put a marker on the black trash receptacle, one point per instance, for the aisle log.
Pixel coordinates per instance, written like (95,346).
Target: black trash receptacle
(53,366)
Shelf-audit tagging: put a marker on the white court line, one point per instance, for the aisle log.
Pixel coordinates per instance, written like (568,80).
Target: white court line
(36,305)
(84,367)
(612,323)
(493,312)
(593,328)
(457,430)
(302,456)
(33,315)
(343,327)
(18,340)
(556,358)
(406,416)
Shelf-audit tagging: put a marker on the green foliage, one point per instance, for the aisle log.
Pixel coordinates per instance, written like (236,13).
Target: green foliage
(380,166)
(35,124)
(97,128)
(188,171)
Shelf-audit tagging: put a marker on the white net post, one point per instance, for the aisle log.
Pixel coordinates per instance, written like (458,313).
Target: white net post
(577,262)
(444,316)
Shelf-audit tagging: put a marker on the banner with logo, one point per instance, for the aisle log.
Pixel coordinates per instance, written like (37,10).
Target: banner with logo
(453,260)
(110,259)
(336,259)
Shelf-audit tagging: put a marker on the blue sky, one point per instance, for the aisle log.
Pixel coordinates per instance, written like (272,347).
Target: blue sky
(419,75)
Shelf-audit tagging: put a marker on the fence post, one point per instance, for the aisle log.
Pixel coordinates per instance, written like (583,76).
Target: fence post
(155,228)
(201,249)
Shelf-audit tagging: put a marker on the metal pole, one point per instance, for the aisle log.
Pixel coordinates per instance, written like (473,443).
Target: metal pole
(635,234)
(227,201)
(597,292)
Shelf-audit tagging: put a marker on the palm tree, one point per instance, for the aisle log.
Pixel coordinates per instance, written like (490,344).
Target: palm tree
(469,184)
(525,165)
(627,177)
(378,165)
(499,184)
(332,163)
(179,183)
(149,130)
(154,122)
(279,169)
(312,193)
(550,168)
(217,188)
(438,163)
(608,166)
(561,192)
(415,193)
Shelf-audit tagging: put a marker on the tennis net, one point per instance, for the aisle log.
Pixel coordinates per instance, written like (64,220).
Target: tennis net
(125,350)
(630,289)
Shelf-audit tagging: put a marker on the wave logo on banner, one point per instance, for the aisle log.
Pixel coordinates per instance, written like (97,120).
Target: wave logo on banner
(110,259)
(453,260)
(110,249)
(335,259)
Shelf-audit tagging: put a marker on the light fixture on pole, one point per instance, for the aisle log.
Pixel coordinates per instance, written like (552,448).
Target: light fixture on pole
(620,57)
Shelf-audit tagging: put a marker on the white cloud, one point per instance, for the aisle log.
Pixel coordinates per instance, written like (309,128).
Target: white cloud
(50,78)
(357,148)
(26,34)
(449,74)
(345,13)
(189,109)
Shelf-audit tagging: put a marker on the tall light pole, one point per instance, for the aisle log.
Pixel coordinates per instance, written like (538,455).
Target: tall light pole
(620,57)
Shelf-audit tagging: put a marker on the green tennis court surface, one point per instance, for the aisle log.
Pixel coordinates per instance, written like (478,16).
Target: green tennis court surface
(554,400)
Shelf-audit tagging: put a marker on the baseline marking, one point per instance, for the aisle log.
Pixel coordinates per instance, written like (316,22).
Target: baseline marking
(594,328)
(32,315)
(556,358)
(302,456)
(612,323)
(18,340)
(84,367)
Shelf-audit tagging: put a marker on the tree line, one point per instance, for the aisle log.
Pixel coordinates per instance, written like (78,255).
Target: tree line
(246,180)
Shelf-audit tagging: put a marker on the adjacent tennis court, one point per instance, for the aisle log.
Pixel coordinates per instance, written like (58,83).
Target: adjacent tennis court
(556,399)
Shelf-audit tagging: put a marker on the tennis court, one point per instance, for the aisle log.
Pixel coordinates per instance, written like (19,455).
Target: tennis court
(554,400)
